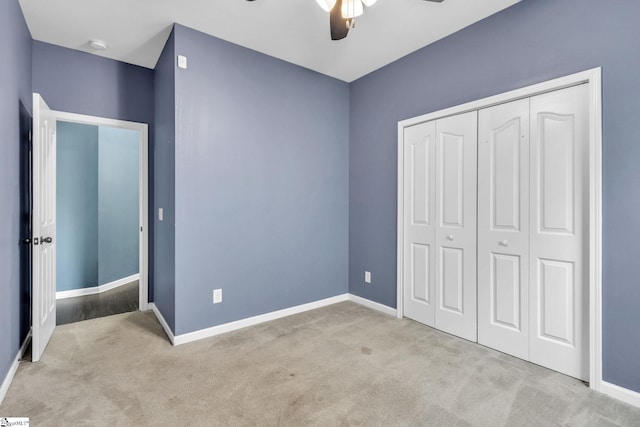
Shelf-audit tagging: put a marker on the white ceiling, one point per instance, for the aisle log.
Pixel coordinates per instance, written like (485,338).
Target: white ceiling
(296,31)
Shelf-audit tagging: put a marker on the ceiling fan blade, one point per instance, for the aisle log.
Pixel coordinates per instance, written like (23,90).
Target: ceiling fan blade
(338,24)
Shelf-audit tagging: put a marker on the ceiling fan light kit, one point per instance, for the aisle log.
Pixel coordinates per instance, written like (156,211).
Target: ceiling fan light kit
(327,5)
(343,13)
(352,9)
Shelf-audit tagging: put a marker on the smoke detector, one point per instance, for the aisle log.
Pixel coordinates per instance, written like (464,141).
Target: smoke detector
(98,44)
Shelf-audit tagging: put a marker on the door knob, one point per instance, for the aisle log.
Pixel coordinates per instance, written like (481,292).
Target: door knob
(504,243)
(46,239)
(26,241)
(450,238)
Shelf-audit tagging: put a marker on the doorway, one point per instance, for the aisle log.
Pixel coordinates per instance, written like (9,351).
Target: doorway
(97,228)
(44,241)
(114,126)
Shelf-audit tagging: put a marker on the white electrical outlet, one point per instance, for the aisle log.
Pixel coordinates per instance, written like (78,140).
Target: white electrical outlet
(367,277)
(217,296)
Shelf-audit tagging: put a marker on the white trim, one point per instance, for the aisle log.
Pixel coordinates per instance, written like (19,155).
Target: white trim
(595,230)
(97,289)
(400,221)
(251,321)
(588,76)
(593,78)
(143,174)
(163,322)
(255,320)
(620,393)
(143,256)
(8,379)
(373,305)
(25,344)
(99,121)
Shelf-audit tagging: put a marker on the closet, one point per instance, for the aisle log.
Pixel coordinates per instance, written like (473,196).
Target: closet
(495,239)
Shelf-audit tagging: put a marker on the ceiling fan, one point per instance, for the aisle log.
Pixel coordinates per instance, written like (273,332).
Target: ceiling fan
(343,13)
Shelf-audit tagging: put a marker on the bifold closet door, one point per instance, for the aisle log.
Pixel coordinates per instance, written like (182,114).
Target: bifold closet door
(439,268)
(532,229)
(503,228)
(419,222)
(559,231)
(456,192)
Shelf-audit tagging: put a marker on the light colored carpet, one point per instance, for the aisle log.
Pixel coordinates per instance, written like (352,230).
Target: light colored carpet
(343,365)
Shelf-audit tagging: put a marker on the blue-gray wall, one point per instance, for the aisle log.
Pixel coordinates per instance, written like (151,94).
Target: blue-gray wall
(533,41)
(118,204)
(165,131)
(76,206)
(260,183)
(15,87)
(78,82)
(82,83)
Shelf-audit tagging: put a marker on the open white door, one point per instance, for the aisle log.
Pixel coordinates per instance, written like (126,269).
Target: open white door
(44,226)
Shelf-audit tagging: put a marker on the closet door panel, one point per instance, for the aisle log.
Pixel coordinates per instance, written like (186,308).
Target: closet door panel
(506,291)
(456,175)
(419,226)
(451,156)
(559,229)
(503,228)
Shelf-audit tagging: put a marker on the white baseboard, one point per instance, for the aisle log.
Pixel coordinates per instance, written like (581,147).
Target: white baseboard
(97,289)
(627,396)
(373,305)
(25,343)
(255,320)
(8,379)
(163,322)
(251,321)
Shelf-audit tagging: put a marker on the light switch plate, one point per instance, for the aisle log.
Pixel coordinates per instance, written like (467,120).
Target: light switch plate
(160,214)
(367,277)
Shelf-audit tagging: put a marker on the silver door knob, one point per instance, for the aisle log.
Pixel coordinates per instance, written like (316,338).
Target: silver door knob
(504,243)
(450,238)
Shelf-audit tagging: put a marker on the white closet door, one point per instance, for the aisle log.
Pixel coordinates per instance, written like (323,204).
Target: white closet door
(559,221)
(455,257)
(419,222)
(503,228)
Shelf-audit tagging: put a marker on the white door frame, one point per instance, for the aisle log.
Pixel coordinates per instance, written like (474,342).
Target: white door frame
(593,78)
(143,174)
